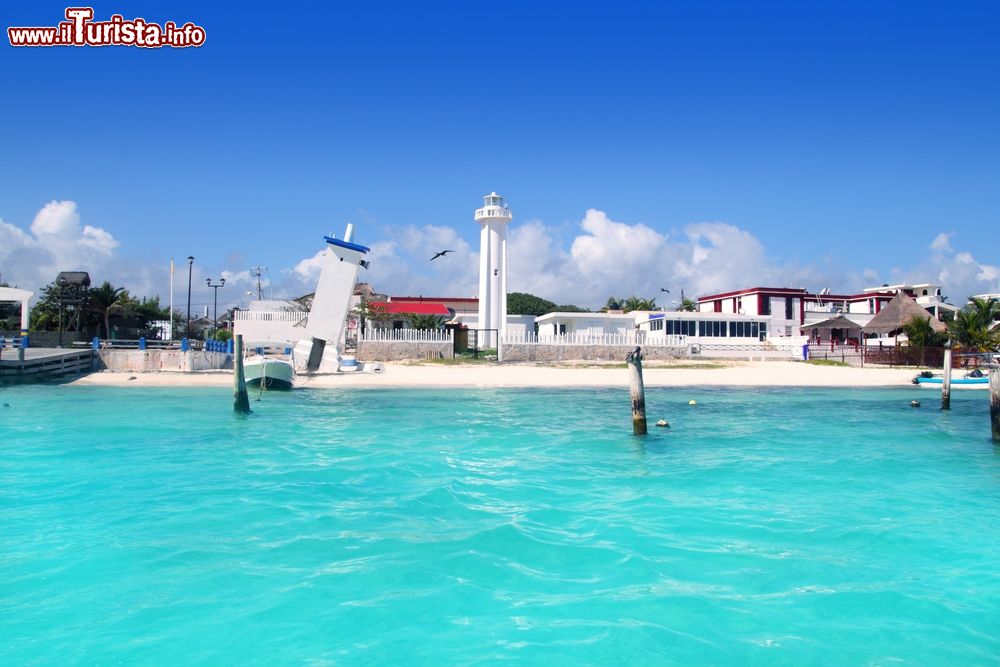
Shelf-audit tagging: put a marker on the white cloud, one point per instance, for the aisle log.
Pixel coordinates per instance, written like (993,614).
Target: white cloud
(959,271)
(942,241)
(54,242)
(308,269)
(604,258)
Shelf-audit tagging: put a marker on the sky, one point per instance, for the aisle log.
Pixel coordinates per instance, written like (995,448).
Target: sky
(642,146)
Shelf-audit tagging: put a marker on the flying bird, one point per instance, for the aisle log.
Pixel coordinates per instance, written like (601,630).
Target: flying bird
(664,289)
(440,254)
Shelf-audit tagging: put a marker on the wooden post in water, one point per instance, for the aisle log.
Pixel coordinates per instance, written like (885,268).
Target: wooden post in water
(995,403)
(241,401)
(637,392)
(946,381)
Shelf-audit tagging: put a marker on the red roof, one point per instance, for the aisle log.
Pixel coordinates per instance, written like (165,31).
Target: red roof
(461,299)
(417,308)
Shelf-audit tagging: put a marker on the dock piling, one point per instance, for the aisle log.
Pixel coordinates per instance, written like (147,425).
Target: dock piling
(946,381)
(241,401)
(995,403)
(637,391)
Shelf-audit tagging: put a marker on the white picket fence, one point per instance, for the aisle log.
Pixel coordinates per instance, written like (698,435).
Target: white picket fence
(296,317)
(406,336)
(630,338)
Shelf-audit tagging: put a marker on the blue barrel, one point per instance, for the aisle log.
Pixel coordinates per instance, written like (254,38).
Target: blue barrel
(185,345)
(95,343)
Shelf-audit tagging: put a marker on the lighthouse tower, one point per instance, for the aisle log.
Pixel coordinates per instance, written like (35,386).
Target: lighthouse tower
(493,216)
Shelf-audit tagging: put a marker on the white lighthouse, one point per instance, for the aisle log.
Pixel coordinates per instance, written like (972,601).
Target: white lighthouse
(493,216)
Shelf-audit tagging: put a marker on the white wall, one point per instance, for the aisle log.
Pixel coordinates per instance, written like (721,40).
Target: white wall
(279,326)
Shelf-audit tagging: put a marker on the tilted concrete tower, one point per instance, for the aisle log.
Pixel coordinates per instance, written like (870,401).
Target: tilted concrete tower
(493,216)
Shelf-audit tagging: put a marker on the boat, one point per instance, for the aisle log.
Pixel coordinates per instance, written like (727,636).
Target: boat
(973,380)
(269,366)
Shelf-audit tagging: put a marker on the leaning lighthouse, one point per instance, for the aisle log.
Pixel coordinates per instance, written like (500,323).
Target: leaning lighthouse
(493,216)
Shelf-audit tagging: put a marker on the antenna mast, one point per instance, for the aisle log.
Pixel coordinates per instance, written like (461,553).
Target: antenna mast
(257,271)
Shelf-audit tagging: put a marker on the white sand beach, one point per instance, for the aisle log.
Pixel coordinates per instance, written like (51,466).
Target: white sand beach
(412,374)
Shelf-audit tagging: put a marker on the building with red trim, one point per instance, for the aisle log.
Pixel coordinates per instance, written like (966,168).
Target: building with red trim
(792,310)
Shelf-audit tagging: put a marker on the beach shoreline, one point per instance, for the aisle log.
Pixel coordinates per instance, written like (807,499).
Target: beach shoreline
(430,375)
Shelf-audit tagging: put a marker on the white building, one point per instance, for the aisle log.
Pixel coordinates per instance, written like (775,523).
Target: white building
(585,324)
(792,311)
(656,327)
(494,217)
(927,295)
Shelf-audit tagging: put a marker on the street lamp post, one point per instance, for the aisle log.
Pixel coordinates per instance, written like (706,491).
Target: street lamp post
(215,304)
(187,327)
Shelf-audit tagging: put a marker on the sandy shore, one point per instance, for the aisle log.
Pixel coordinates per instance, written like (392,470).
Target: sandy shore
(742,374)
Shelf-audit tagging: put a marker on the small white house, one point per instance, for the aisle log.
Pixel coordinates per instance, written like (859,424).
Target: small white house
(592,324)
(685,327)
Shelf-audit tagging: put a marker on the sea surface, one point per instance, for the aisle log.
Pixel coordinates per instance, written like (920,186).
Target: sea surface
(497,526)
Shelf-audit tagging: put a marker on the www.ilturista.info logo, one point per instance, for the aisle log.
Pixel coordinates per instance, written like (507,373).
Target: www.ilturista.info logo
(79,29)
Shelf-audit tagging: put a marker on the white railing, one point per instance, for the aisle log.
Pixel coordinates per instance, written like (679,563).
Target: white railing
(630,338)
(406,336)
(295,316)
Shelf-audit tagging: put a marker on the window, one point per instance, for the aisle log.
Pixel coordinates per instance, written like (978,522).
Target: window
(681,328)
(789,308)
(765,305)
(656,325)
(701,329)
(562,328)
(744,329)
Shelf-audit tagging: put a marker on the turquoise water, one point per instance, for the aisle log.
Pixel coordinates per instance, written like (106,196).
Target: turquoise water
(473,527)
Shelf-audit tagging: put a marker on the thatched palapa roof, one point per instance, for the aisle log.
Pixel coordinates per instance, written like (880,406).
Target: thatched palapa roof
(838,322)
(897,313)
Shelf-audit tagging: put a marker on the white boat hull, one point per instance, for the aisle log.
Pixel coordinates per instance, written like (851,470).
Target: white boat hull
(275,373)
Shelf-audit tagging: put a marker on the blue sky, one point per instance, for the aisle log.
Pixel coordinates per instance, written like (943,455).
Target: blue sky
(694,145)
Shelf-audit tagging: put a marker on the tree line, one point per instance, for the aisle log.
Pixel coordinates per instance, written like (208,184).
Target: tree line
(89,310)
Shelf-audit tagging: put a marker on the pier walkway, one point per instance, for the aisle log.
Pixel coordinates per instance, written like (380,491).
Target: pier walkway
(39,364)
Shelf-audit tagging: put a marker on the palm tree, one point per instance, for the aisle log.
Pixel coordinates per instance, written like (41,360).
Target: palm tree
(975,327)
(104,301)
(921,334)
(688,305)
(613,304)
(638,303)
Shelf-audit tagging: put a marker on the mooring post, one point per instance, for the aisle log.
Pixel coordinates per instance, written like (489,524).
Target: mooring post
(241,401)
(995,403)
(637,391)
(946,381)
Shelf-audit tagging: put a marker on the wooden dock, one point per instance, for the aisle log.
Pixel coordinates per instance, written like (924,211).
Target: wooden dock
(41,364)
